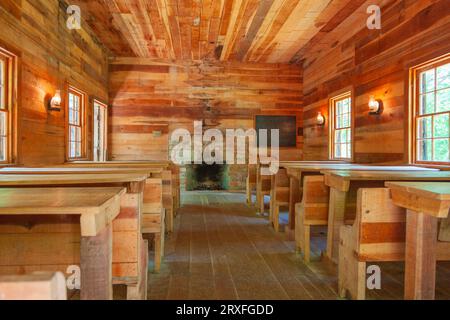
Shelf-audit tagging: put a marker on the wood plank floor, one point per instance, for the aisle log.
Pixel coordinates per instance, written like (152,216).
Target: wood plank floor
(222,250)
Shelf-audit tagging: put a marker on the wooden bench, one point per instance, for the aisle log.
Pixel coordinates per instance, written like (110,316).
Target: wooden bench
(344,185)
(263,186)
(250,183)
(312,211)
(53,228)
(296,171)
(35,286)
(129,266)
(152,192)
(427,205)
(279,196)
(377,234)
(169,174)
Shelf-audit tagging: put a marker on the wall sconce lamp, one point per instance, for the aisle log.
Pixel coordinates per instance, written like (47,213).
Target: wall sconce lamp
(320,120)
(55,102)
(375,106)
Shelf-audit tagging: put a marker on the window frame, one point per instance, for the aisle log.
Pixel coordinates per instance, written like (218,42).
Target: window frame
(83,123)
(332,124)
(10,61)
(97,102)
(415,109)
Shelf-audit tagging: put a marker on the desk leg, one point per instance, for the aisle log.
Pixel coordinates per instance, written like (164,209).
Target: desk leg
(273,190)
(96,266)
(294,198)
(420,256)
(139,291)
(336,216)
(258,196)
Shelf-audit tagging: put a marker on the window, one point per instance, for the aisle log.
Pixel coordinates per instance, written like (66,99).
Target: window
(432,113)
(100,131)
(341,127)
(76,121)
(3,109)
(8,87)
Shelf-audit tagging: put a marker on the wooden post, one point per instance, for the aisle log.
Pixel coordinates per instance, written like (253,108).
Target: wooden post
(139,290)
(96,266)
(420,258)
(336,216)
(294,198)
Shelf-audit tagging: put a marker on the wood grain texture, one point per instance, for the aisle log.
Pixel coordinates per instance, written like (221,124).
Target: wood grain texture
(50,56)
(146,94)
(345,54)
(236,30)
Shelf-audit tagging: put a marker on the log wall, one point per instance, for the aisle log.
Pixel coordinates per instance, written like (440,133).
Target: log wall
(371,62)
(50,56)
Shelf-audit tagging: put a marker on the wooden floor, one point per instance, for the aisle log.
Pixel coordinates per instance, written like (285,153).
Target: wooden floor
(221,250)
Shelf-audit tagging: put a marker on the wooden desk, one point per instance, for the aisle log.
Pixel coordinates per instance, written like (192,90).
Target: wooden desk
(129,252)
(169,175)
(28,216)
(297,170)
(344,185)
(36,286)
(157,164)
(150,171)
(426,203)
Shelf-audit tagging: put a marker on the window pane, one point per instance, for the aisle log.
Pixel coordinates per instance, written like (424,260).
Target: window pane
(441,126)
(71,133)
(338,138)
(337,150)
(424,150)
(424,127)
(3,149)
(78,150)
(72,149)
(76,102)
(427,103)
(443,100)
(339,108)
(427,81)
(346,106)
(77,134)
(2,84)
(346,120)
(441,150)
(3,123)
(71,116)
(443,76)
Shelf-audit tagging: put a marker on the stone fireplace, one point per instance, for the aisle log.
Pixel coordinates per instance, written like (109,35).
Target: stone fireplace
(207,177)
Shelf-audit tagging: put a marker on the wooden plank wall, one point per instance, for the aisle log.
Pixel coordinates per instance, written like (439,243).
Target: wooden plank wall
(148,93)
(51,56)
(372,62)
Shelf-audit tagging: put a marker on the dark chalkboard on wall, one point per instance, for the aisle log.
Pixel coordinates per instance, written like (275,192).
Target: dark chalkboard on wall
(286,124)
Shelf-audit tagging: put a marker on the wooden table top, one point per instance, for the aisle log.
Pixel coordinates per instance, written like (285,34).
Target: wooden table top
(79,170)
(126,164)
(300,163)
(392,174)
(430,190)
(96,206)
(317,167)
(68,179)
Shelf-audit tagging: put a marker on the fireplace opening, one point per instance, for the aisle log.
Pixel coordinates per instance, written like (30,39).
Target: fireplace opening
(207,177)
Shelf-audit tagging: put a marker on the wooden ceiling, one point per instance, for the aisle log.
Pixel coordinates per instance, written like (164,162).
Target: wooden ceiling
(272,31)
